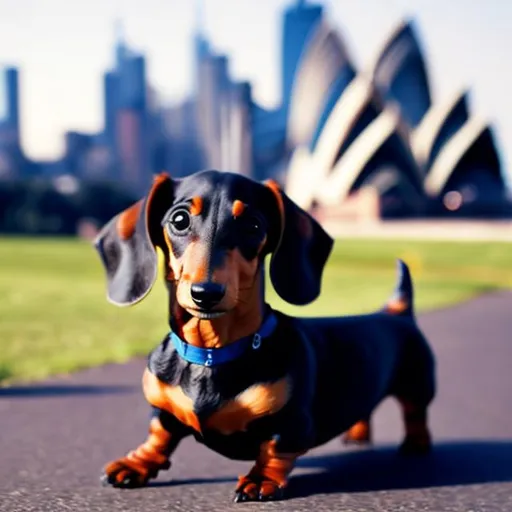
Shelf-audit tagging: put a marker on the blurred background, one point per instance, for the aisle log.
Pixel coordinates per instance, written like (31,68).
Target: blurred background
(391,122)
(362,111)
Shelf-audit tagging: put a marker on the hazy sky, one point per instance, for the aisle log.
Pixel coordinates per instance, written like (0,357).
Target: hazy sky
(63,46)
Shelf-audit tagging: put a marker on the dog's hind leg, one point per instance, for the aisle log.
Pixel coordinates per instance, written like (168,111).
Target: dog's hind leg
(417,439)
(143,463)
(359,434)
(415,385)
(415,391)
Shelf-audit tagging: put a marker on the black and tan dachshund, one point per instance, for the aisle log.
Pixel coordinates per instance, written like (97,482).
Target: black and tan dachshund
(247,381)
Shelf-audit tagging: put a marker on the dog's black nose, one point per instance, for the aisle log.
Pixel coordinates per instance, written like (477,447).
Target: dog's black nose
(207,295)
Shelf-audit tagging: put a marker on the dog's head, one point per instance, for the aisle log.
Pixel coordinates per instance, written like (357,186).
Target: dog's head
(214,228)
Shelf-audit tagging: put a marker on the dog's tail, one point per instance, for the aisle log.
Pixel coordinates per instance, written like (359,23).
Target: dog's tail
(401,302)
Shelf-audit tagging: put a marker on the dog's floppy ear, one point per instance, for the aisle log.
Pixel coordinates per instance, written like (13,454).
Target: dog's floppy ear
(301,252)
(127,245)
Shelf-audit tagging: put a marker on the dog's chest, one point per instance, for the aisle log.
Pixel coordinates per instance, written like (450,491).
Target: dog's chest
(203,409)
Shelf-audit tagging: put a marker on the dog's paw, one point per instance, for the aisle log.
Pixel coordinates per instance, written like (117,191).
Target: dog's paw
(252,489)
(129,474)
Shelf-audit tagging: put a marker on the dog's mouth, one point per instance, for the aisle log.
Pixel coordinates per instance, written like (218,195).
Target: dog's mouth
(205,314)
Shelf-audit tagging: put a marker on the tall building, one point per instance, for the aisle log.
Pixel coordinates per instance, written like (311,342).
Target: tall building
(201,52)
(111,105)
(132,82)
(9,106)
(3,100)
(184,153)
(126,138)
(237,140)
(131,149)
(214,84)
(12,87)
(299,20)
(11,157)
(77,145)
(120,45)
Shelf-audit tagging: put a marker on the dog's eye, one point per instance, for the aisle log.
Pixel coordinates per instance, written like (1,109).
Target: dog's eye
(180,221)
(253,225)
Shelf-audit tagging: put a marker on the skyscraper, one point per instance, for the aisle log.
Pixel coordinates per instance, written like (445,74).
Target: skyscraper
(3,98)
(11,76)
(201,45)
(214,84)
(120,46)
(130,143)
(9,103)
(299,19)
(111,105)
(237,133)
(125,114)
(132,82)
(11,156)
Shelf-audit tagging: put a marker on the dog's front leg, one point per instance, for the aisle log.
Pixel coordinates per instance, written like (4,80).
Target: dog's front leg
(269,476)
(143,463)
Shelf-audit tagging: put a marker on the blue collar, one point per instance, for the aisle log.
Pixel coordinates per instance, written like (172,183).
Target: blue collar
(216,356)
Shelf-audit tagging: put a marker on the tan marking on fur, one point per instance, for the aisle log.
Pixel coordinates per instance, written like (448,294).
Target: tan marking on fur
(255,402)
(127,220)
(238,208)
(241,302)
(270,472)
(359,432)
(197,206)
(171,261)
(276,190)
(190,268)
(145,461)
(201,333)
(163,176)
(171,399)
(194,262)
(396,306)
(156,447)
(157,181)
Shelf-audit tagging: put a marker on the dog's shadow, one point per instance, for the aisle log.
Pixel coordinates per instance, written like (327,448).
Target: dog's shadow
(382,468)
(61,390)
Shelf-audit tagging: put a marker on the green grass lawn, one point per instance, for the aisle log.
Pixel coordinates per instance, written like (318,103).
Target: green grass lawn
(54,316)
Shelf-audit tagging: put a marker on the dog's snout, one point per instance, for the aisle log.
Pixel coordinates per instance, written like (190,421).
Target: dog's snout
(207,295)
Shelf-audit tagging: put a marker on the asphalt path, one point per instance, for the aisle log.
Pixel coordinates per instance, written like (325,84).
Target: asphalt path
(56,436)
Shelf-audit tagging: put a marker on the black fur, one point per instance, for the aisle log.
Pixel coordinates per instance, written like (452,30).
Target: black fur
(285,353)
(340,369)
(131,264)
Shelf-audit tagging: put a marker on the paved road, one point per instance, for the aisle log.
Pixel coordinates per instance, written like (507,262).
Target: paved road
(55,437)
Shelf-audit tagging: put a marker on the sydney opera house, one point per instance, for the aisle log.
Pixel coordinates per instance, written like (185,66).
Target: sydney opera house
(346,142)
(371,142)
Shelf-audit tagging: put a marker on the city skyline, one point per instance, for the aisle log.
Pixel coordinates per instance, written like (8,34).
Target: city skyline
(74,99)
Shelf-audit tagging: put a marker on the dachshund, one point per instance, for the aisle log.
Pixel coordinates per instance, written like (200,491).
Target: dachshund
(247,381)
